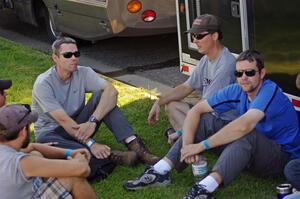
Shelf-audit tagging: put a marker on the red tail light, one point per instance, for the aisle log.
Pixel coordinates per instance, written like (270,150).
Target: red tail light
(185,68)
(149,16)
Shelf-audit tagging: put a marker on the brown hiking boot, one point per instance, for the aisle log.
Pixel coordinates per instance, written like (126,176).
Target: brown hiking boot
(143,153)
(128,158)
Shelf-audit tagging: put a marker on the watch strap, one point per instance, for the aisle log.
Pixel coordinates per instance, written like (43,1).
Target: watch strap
(93,119)
(90,142)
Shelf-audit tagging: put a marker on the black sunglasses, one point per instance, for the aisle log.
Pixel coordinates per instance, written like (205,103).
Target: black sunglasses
(68,55)
(199,36)
(27,106)
(249,73)
(1,92)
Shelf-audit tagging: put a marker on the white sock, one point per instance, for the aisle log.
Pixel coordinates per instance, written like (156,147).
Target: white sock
(129,139)
(162,167)
(210,183)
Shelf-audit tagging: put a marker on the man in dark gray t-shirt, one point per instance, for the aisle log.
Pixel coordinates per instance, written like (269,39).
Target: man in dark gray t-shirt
(214,71)
(59,98)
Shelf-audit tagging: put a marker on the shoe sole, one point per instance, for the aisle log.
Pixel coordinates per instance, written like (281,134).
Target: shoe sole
(163,184)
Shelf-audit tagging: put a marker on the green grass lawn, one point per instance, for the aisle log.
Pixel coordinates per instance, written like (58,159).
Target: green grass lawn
(22,65)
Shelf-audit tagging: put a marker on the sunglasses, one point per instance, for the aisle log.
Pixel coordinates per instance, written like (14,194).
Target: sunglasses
(27,106)
(248,73)
(68,55)
(1,92)
(199,36)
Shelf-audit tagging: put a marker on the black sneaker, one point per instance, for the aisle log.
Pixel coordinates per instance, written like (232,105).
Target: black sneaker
(149,178)
(198,192)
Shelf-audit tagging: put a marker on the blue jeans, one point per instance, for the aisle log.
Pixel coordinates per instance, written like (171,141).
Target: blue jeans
(292,173)
(114,120)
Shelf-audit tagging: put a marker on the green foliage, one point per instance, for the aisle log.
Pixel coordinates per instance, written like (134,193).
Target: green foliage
(22,65)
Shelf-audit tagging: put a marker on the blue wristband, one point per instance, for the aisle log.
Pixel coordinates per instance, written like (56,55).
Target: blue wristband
(68,153)
(179,132)
(205,144)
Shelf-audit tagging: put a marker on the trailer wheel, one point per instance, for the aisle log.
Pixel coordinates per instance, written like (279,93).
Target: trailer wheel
(48,24)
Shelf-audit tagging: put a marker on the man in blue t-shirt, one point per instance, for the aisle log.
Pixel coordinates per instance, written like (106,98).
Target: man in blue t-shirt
(262,140)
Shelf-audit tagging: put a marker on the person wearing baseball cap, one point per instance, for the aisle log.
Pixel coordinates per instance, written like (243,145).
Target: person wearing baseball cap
(4,84)
(20,167)
(214,71)
(204,24)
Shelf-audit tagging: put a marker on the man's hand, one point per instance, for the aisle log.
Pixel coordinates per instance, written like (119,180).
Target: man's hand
(189,151)
(172,138)
(154,113)
(100,151)
(81,158)
(192,159)
(85,131)
(82,151)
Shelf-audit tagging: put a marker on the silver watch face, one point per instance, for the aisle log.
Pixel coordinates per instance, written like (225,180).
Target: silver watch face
(93,119)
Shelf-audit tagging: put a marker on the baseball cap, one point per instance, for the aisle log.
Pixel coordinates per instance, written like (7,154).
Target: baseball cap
(5,84)
(14,117)
(204,23)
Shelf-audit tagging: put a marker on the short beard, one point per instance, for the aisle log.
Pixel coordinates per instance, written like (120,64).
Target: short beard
(27,139)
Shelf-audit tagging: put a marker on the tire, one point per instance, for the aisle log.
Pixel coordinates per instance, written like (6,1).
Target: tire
(47,22)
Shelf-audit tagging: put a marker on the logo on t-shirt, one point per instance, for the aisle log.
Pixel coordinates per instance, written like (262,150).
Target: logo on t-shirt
(206,81)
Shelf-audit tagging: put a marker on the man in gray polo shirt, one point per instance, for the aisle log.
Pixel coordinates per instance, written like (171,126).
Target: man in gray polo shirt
(59,98)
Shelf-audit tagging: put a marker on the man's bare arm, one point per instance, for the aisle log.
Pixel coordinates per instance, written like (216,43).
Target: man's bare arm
(229,133)
(191,121)
(107,102)
(38,166)
(64,120)
(237,128)
(176,94)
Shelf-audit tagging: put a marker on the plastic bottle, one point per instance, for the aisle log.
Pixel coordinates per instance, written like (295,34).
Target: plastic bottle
(200,169)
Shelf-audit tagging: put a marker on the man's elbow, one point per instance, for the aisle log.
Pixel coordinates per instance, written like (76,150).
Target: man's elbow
(245,126)
(115,92)
(111,90)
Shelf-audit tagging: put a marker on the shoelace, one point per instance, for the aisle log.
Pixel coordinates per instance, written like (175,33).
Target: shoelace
(196,190)
(115,157)
(145,172)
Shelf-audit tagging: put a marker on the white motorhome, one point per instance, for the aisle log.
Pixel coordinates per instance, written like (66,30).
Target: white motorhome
(97,19)
(269,26)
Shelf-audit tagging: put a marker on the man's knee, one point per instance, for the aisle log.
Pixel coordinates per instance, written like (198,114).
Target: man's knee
(175,107)
(170,108)
(291,169)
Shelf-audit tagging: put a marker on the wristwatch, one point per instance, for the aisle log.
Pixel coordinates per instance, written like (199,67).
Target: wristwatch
(93,119)
(90,142)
